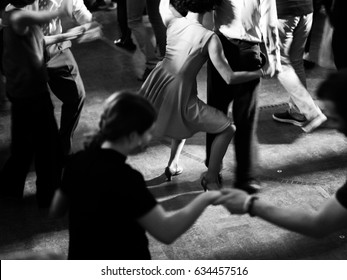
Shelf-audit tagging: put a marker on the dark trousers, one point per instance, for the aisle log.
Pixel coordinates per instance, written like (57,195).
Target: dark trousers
(241,55)
(339,49)
(66,83)
(34,136)
(123,19)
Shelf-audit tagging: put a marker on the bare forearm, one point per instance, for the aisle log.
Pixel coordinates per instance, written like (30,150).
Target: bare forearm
(178,222)
(244,76)
(54,39)
(28,18)
(292,219)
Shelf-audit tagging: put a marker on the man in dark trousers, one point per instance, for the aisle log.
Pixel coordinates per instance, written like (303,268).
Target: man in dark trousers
(336,10)
(64,78)
(237,23)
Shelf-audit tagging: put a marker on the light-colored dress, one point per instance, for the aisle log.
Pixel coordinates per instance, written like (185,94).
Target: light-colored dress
(172,88)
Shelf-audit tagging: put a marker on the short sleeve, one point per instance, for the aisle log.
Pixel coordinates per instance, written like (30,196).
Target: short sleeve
(141,201)
(341,195)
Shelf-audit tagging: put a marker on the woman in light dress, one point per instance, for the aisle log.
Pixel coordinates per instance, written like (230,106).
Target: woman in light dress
(172,87)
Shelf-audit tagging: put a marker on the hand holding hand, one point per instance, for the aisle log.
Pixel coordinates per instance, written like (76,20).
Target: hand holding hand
(213,196)
(233,200)
(74,33)
(92,32)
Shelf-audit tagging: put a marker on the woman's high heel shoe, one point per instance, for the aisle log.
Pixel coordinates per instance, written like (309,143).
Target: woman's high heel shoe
(169,173)
(205,184)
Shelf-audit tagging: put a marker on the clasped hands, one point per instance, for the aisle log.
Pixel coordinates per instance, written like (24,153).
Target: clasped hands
(232,199)
(85,33)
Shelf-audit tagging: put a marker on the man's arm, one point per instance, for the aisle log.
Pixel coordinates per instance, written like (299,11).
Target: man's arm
(71,34)
(80,12)
(268,25)
(22,19)
(331,217)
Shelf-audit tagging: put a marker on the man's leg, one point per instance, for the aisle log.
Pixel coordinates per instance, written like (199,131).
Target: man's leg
(338,48)
(293,32)
(16,168)
(135,9)
(242,56)
(125,41)
(157,25)
(48,154)
(245,118)
(66,83)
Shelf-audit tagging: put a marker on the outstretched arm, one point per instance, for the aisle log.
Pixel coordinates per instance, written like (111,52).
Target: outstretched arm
(22,19)
(268,24)
(331,217)
(166,227)
(216,53)
(71,34)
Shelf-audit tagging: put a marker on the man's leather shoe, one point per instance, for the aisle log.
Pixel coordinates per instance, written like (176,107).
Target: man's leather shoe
(124,44)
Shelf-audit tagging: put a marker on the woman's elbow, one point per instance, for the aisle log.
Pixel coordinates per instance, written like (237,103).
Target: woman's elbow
(231,80)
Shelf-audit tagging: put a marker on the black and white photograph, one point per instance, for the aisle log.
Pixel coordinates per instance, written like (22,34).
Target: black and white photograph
(207,131)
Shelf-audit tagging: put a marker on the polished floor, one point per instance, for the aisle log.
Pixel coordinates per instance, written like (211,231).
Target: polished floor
(295,169)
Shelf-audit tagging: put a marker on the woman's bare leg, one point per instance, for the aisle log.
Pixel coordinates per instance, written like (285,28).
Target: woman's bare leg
(176,149)
(218,149)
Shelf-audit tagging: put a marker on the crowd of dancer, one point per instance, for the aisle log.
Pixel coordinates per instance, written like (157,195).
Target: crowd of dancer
(251,40)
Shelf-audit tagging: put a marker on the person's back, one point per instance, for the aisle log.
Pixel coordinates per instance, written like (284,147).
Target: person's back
(106,197)
(294,25)
(34,132)
(109,204)
(185,50)
(23,60)
(239,19)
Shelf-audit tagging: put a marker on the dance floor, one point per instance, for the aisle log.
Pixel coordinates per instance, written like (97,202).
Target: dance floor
(295,169)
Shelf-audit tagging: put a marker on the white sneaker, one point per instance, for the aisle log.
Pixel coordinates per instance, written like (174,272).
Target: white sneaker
(314,123)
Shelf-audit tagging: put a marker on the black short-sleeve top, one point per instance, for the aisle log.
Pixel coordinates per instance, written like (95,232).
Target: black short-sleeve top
(106,198)
(341,195)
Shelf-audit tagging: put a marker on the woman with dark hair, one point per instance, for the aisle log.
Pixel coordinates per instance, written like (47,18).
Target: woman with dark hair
(110,208)
(172,86)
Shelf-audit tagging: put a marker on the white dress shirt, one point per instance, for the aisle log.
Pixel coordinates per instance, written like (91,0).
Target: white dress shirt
(252,21)
(79,13)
